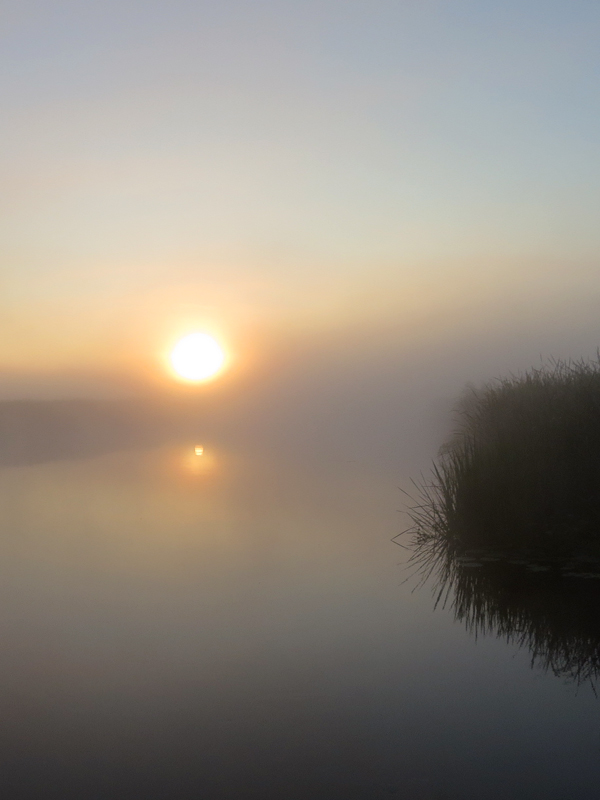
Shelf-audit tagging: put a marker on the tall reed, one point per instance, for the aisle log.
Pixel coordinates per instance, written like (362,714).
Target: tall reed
(522,470)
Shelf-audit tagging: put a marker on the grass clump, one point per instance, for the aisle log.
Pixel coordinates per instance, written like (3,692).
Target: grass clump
(521,472)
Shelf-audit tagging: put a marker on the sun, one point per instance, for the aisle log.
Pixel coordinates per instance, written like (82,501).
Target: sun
(197,357)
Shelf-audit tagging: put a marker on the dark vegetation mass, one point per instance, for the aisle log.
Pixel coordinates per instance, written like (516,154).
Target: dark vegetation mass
(508,524)
(522,471)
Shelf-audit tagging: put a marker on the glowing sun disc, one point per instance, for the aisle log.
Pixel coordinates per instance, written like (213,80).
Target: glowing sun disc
(197,357)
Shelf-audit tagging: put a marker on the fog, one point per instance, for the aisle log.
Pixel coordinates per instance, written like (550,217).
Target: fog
(370,205)
(237,623)
(383,392)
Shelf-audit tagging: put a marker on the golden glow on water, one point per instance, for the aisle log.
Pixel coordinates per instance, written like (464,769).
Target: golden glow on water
(198,462)
(197,357)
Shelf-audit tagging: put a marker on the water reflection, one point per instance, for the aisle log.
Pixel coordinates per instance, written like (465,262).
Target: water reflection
(200,462)
(231,625)
(508,525)
(166,616)
(544,607)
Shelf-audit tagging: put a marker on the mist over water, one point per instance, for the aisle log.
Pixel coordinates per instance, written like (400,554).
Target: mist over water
(368,206)
(236,623)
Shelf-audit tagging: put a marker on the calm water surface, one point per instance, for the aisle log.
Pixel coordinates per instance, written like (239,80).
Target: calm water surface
(235,625)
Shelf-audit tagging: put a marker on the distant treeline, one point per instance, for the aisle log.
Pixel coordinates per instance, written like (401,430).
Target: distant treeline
(34,431)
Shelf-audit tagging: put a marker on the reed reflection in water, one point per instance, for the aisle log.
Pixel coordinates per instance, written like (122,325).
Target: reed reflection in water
(532,606)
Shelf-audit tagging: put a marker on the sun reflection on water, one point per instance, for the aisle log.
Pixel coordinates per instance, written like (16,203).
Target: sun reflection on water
(199,461)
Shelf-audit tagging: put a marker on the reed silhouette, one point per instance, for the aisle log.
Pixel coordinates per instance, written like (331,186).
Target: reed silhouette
(522,470)
(508,523)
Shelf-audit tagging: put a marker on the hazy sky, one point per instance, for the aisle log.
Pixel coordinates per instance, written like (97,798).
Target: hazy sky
(273,169)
